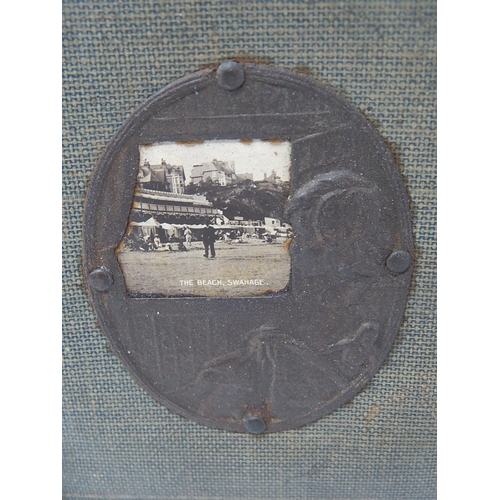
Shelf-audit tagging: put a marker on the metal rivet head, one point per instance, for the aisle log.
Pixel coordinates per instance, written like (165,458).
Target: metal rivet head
(100,279)
(255,425)
(230,75)
(398,262)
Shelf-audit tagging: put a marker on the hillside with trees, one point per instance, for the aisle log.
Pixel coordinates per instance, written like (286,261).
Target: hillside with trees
(248,199)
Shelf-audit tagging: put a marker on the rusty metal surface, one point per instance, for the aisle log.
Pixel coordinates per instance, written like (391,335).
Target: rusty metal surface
(274,362)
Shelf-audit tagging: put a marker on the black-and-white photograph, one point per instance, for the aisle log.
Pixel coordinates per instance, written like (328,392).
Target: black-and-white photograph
(207,220)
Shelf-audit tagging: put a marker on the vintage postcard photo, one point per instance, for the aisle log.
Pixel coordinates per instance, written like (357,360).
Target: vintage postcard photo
(207,220)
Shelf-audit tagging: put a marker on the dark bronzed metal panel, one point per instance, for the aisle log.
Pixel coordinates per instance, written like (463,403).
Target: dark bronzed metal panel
(277,361)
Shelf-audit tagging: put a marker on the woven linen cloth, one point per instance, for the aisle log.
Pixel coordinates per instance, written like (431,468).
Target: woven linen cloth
(118,443)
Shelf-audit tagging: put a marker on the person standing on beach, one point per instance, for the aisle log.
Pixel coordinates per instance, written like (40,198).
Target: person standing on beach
(188,235)
(209,240)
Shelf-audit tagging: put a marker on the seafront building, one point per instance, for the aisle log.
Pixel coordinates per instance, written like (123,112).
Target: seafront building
(173,208)
(218,172)
(160,199)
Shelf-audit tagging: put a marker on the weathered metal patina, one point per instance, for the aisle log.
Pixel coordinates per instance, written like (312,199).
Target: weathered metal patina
(280,360)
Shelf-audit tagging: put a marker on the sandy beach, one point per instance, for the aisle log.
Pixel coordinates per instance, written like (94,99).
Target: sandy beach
(238,270)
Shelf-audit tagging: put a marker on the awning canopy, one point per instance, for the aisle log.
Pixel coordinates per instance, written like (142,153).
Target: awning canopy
(151,222)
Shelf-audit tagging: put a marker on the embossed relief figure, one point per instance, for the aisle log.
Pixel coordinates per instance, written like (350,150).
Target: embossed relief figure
(339,249)
(339,238)
(338,221)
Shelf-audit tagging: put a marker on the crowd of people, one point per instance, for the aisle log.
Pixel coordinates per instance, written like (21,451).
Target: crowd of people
(184,242)
(148,242)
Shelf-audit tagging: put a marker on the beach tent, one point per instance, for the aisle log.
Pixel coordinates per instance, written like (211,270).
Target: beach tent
(146,228)
(170,230)
(151,222)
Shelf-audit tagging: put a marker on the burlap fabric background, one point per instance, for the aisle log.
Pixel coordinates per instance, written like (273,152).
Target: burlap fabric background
(118,442)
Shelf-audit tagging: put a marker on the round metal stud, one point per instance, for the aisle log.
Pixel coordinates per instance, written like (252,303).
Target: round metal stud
(230,75)
(398,262)
(100,279)
(255,425)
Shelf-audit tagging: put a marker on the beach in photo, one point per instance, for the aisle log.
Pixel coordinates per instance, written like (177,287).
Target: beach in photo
(207,220)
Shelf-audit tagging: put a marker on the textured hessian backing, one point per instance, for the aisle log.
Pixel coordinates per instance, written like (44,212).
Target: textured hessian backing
(118,442)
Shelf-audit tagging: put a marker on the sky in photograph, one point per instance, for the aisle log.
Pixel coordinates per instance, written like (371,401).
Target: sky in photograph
(257,157)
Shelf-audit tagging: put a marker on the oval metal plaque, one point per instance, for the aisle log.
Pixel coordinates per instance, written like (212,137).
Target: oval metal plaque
(248,248)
